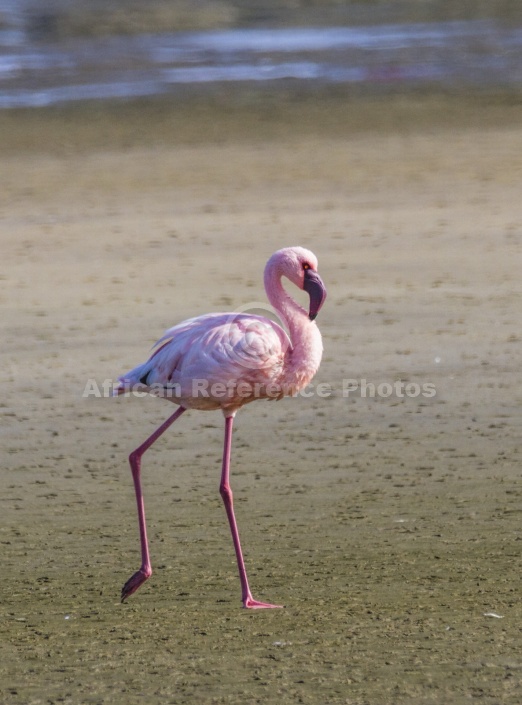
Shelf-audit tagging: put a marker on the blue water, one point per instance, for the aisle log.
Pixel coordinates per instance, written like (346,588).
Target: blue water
(472,52)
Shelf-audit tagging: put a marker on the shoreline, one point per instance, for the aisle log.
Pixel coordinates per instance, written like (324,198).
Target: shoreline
(238,114)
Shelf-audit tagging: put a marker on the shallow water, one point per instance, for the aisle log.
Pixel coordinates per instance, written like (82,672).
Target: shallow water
(465,52)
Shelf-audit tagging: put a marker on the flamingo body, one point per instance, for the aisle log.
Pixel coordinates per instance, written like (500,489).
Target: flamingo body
(225,360)
(194,359)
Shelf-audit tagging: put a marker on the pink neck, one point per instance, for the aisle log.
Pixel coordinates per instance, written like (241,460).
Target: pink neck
(294,317)
(304,358)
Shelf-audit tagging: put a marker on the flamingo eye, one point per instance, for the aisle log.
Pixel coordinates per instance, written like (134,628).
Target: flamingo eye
(306,265)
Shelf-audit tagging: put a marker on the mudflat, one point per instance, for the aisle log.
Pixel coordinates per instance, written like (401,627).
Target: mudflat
(382,509)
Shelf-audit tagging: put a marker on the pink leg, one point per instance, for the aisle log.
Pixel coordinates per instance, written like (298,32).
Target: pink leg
(145,571)
(226,493)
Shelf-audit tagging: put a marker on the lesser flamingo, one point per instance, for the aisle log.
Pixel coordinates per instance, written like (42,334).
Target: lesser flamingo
(223,361)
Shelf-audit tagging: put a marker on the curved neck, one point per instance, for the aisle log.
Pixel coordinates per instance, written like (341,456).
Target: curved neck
(293,315)
(302,360)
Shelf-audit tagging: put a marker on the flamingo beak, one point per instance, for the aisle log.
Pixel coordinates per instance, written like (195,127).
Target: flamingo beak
(313,285)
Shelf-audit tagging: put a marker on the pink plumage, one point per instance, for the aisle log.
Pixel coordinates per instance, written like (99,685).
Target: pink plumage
(225,360)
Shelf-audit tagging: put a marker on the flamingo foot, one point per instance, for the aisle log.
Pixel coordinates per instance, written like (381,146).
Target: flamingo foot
(250,603)
(135,582)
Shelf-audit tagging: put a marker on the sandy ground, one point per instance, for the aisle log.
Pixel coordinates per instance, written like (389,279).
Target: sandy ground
(389,526)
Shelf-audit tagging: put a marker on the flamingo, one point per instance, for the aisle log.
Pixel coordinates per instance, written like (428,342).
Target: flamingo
(224,361)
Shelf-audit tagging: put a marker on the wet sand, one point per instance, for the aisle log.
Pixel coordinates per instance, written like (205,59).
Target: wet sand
(389,526)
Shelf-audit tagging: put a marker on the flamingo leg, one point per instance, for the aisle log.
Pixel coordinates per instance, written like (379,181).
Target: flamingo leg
(226,493)
(145,571)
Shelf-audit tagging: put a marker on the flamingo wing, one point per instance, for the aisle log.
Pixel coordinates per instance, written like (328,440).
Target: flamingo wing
(219,348)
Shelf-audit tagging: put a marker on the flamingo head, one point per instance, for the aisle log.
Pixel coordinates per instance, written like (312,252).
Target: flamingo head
(299,265)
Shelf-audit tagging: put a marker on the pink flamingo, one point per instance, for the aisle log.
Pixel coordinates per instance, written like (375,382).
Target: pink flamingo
(223,361)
